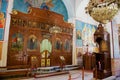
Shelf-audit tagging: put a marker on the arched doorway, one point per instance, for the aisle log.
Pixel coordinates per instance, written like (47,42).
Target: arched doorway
(45,50)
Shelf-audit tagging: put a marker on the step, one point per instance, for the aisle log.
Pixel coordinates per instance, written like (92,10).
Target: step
(51,74)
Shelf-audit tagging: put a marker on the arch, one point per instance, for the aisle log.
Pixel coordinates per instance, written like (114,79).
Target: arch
(57,6)
(70,6)
(45,45)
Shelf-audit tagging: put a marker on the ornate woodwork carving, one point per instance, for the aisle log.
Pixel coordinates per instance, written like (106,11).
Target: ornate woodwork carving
(102,58)
(38,22)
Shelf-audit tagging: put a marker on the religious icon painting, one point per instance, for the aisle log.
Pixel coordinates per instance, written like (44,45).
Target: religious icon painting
(17,41)
(67,45)
(78,34)
(84,34)
(2,20)
(58,44)
(32,43)
(3,9)
(52,5)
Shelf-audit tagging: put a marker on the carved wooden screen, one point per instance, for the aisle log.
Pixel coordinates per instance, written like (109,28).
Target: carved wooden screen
(35,37)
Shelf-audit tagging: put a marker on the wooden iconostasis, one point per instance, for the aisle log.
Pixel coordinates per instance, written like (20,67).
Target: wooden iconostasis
(31,43)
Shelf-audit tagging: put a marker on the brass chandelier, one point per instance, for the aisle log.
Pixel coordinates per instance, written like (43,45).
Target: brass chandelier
(55,29)
(103,11)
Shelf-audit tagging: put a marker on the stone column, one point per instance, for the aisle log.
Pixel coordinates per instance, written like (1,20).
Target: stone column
(74,56)
(115,54)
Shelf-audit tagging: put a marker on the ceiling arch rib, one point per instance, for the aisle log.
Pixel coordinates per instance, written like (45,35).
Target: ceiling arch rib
(70,6)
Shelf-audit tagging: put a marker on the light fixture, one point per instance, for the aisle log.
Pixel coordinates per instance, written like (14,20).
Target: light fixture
(55,29)
(103,11)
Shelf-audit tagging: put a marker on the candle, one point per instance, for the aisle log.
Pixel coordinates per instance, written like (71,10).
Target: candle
(99,65)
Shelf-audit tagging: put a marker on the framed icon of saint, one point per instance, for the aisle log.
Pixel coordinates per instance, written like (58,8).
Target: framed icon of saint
(32,43)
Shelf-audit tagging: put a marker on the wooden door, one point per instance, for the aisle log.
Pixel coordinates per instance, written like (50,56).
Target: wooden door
(45,49)
(45,58)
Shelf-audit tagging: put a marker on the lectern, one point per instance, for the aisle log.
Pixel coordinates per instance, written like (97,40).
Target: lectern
(102,56)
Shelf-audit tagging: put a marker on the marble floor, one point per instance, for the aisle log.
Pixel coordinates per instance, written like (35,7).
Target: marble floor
(75,75)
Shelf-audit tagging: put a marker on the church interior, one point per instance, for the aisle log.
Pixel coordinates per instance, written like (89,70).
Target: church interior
(60,39)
